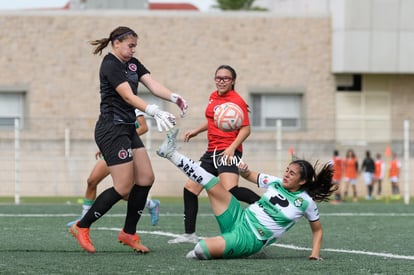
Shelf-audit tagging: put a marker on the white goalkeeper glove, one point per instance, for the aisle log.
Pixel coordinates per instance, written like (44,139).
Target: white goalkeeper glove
(165,120)
(181,103)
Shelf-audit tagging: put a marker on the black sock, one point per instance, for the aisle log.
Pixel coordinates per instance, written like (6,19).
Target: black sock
(136,203)
(190,211)
(244,194)
(370,190)
(102,204)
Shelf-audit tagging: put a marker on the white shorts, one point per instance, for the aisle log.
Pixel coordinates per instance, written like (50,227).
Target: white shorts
(351,181)
(394,179)
(336,181)
(368,177)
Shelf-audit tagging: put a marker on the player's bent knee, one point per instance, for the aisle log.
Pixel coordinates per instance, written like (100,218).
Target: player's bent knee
(194,188)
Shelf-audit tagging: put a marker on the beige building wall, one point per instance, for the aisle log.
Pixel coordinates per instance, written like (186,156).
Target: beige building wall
(47,55)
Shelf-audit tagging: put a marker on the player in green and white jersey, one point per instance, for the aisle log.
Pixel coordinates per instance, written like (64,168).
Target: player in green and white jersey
(246,231)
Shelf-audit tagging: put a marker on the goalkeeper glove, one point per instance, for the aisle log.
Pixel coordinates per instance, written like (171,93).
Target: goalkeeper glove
(181,103)
(165,121)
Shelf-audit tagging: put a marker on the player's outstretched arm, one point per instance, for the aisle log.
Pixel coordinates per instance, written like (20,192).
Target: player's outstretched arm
(262,180)
(192,133)
(317,233)
(246,173)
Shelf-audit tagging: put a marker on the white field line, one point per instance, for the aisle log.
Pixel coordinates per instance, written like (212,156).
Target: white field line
(172,235)
(358,252)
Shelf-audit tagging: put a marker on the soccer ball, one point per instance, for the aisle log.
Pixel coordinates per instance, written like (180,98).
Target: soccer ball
(228,117)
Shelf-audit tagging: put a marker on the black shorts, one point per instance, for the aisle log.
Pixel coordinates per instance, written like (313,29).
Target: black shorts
(212,163)
(116,141)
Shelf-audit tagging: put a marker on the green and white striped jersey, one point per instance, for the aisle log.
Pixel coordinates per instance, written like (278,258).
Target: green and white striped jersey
(278,209)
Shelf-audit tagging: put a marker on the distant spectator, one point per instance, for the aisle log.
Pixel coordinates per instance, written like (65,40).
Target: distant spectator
(368,167)
(351,174)
(379,174)
(394,175)
(338,166)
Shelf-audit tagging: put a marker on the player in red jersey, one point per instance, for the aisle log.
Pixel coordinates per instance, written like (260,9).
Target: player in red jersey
(224,152)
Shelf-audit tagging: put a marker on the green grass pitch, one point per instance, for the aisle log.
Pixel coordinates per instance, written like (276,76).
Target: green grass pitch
(368,237)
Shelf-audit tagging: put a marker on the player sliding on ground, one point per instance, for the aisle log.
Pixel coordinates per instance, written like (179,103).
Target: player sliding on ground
(246,231)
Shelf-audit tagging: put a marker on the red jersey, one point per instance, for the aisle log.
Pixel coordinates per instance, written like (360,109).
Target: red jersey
(338,165)
(218,139)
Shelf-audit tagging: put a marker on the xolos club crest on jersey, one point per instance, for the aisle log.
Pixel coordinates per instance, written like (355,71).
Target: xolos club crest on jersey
(132,67)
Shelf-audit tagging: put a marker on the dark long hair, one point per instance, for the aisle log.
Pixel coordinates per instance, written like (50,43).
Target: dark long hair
(120,33)
(318,180)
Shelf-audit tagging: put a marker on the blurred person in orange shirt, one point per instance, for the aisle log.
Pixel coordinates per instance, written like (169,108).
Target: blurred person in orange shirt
(351,174)
(379,174)
(394,175)
(338,165)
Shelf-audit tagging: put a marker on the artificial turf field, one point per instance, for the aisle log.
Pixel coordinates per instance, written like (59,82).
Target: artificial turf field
(368,237)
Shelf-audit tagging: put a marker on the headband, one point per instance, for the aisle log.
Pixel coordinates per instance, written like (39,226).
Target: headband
(118,37)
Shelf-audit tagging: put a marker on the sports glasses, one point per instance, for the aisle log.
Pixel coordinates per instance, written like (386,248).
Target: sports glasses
(225,79)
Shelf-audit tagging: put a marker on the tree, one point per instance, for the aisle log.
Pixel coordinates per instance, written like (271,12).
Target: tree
(237,5)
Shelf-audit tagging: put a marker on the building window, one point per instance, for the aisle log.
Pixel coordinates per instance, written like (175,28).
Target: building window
(11,107)
(268,108)
(348,83)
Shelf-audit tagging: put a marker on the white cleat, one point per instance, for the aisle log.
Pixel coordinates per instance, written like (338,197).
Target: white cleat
(191,255)
(168,147)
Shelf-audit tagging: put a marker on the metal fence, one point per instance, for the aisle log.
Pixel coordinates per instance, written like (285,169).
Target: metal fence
(53,157)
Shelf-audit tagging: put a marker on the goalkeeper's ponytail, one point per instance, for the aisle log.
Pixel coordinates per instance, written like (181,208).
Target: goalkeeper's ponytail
(120,33)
